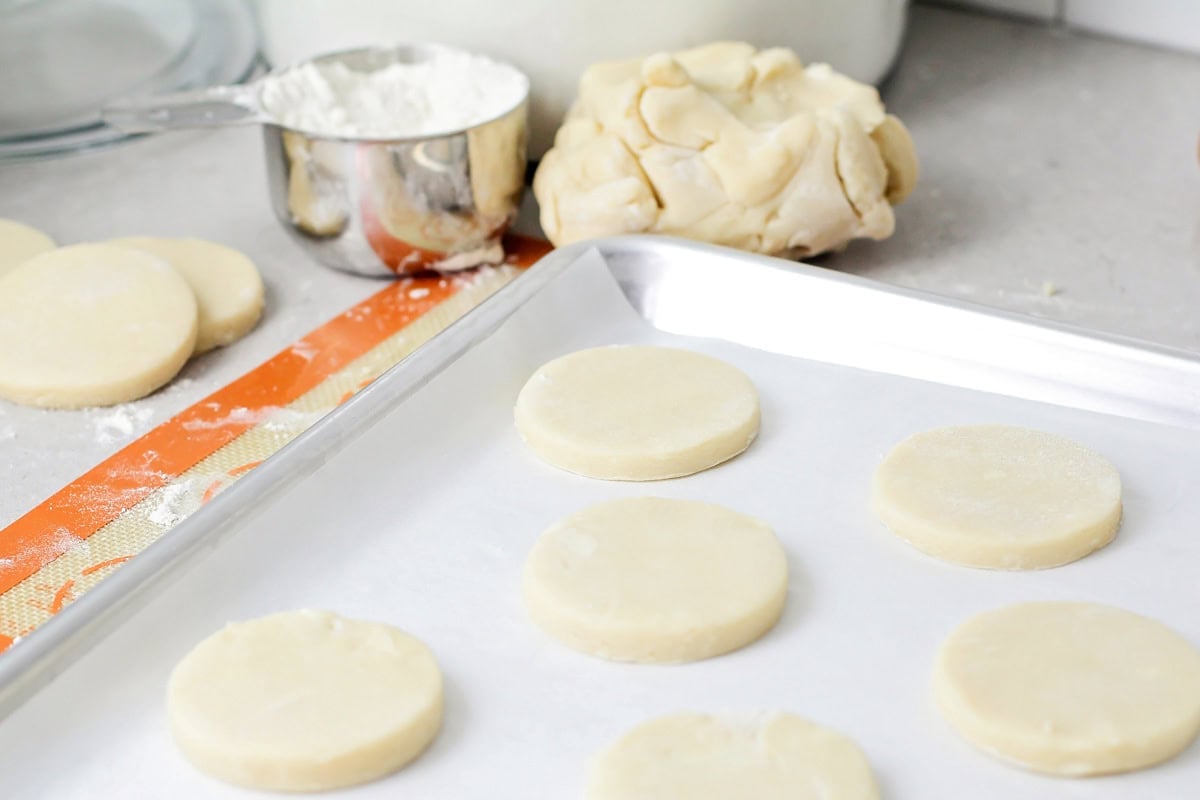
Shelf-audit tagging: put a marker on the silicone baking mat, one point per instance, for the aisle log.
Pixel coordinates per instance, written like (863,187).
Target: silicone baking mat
(70,542)
(425,524)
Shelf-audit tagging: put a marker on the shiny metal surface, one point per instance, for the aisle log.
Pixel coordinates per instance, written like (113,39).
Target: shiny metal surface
(399,206)
(824,315)
(371,206)
(693,289)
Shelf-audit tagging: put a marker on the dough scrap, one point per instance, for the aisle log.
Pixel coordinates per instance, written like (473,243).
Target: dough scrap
(228,288)
(637,413)
(726,144)
(305,701)
(19,243)
(654,580)
(998,496)
(702,757)
(91,325)
(1070,688)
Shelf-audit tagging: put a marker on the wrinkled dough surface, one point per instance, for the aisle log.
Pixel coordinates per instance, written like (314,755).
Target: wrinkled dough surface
(704,757)
(92,325)
(998,496)
(637,412)
(1070,688)
(305,701)
(19,243)
(228,288)
(650,579)
(727,144)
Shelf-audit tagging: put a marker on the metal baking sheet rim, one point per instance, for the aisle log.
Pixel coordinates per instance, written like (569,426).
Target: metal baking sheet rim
(1151,382)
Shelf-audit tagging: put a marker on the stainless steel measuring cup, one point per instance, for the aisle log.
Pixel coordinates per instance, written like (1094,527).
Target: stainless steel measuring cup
(371,206)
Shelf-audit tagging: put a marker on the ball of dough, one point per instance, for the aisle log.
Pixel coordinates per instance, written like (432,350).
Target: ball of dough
(228,288)
(726,144)
(998,496)
(654,580)
(637,413)
(703,757)
(305,701)
(92,325)
(1070,688)
(19,243)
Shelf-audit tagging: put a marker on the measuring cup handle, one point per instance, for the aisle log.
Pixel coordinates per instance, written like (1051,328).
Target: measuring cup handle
(200,108)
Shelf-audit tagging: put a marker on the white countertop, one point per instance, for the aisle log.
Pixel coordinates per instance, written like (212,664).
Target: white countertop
(1047,157)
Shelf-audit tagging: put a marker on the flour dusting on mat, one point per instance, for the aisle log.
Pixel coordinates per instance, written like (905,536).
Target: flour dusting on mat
(444,93)
(271,417)
(173,503)
(119,423)
(62,542)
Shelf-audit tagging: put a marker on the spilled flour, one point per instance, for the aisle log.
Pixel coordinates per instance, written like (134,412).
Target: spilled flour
(173,503)
(61,542)
(273,418)
(119,422)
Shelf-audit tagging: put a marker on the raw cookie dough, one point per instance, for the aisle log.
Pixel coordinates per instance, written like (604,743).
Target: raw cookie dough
(998,496)
(703,757)
(19,243)
(92,325)
(305,701)
(228,289)
(655,580)
(1070,688)
(637,413)
(727,144)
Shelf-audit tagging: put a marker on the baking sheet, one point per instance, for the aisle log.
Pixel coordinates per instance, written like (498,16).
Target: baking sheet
(425,524)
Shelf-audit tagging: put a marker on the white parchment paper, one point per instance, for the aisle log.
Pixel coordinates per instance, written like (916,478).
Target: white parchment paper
(425,522)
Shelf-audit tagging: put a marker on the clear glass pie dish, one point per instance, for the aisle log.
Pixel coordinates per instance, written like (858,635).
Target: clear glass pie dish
(63,60)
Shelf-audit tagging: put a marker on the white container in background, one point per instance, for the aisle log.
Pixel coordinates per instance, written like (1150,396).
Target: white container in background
(554,40)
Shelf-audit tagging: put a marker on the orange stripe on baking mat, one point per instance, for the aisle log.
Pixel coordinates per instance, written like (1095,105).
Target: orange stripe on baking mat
(117,484)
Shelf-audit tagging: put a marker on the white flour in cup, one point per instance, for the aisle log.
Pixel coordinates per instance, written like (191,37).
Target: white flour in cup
(449,91)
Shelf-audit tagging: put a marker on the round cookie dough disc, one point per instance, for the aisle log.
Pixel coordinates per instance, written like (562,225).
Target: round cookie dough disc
(305,701)
(637,413)
(19,243)
(92,325)
(998,496)
(702,757)
(228,288)
(1070,688)
(655,580)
